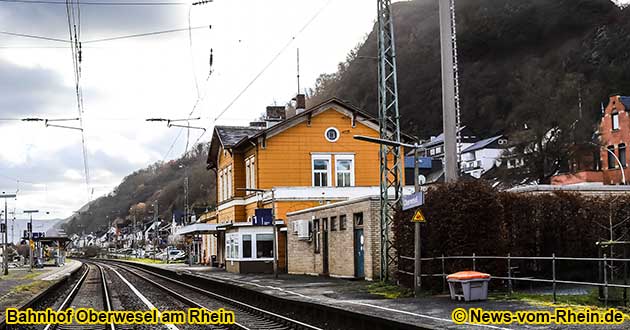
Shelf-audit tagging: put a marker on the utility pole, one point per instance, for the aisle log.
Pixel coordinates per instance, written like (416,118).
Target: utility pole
(448,91)
(156,210)
(389,128)
(13,225)
(30,238)
(5,254)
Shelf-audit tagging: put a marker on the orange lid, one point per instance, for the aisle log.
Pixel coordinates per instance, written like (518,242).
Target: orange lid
(468,275)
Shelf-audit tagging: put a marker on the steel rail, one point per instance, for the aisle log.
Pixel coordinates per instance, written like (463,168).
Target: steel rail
(239,304)
(176,294)
(72,293)
(108,303)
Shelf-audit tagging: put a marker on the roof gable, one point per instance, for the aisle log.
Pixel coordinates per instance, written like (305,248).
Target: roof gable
(235,136)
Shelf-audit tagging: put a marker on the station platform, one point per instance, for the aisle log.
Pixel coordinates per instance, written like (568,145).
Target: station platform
(20,285)
(432,312)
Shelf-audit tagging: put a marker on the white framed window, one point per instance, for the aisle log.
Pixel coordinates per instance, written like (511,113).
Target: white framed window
(247,171)
(264,246)
(332,134)
(232,246)
(220,186)
(344,169)
(225,188)
(321,170)
(250,172)
(249,246)
(615,121)
(230,192)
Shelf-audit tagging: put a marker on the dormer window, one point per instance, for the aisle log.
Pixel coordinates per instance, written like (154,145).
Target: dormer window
(615,121)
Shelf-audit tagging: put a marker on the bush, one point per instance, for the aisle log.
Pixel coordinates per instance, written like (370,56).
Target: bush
(471,217)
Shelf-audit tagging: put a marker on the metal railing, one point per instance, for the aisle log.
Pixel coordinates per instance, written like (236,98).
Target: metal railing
(604,263)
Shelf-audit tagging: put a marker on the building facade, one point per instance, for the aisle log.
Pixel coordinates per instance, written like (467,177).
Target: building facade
(483,155)
(339,240)
(286,165)
(611,160)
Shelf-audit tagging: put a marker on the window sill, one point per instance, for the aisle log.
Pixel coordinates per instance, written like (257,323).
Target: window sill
(249,259)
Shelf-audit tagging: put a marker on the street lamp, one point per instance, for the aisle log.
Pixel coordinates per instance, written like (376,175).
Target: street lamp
(621,168)
(6,237)
(273,221)
(30,238)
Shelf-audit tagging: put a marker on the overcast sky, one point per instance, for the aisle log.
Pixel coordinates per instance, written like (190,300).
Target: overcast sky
(126,81)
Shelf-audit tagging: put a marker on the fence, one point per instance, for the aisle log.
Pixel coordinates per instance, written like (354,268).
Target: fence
(604,265)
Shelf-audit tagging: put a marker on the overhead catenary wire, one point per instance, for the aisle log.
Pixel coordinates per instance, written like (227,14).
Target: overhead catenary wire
(74,27)
(199,97)
(146,34)
(96,3)
(291,40)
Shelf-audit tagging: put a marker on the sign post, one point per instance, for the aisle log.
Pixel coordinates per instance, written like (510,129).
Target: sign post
(417,255)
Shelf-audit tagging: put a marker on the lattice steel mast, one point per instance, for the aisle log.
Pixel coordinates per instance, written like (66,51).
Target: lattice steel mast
(389,124)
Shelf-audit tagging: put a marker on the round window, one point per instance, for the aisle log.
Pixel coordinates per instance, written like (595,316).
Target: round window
(332,134)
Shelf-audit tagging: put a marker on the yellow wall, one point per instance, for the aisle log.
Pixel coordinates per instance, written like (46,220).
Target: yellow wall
(286,161)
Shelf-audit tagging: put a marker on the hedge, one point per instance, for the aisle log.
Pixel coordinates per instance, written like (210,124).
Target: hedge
(472,217)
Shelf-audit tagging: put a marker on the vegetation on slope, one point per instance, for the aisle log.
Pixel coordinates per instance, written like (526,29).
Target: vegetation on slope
(161,183)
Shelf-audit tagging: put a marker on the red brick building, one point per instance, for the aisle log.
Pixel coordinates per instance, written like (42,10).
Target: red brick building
(614,137)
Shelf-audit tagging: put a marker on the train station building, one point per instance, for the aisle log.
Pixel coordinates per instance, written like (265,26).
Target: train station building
(294,160)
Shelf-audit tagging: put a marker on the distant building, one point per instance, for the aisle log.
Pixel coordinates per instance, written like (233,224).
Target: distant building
(603,166)
(477,157)
(435,146)
(483,155)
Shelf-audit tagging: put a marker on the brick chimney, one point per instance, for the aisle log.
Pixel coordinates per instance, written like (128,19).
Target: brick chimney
(275,114)
(300,103)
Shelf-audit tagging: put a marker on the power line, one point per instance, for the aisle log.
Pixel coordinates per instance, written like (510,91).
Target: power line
(147,34)
(74,29)
(98,3)
(32,36)
(238,96)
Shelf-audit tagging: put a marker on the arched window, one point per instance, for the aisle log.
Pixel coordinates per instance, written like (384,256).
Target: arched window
(622,154)
(611,157)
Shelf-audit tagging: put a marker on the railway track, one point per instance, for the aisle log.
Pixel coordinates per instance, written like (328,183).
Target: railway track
(90,291)
(247,316)
(106,285)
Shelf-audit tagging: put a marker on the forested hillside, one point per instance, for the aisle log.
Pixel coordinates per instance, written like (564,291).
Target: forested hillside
(161,183)
(510,52)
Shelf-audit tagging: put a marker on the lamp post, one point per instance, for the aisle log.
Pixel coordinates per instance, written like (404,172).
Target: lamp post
(6,236)
(621,168)
(30,238)
(273,221)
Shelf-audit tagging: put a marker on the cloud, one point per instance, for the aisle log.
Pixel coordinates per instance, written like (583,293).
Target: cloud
(28,91)
(96,21)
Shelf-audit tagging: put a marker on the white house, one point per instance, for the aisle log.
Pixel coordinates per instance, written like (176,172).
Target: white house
(483,155)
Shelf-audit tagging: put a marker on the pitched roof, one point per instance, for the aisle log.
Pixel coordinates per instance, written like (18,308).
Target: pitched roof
(232,135)
(438,139)
(482,144)
(626,101)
